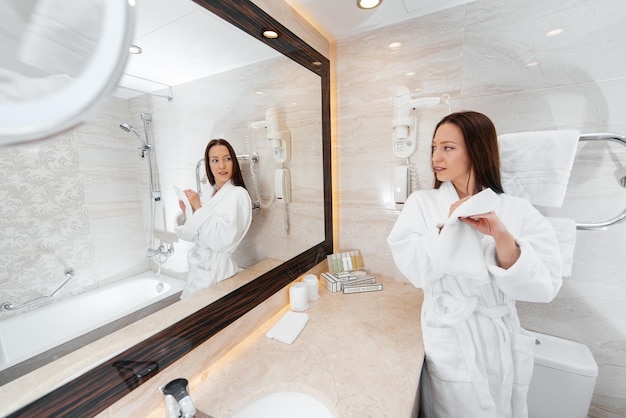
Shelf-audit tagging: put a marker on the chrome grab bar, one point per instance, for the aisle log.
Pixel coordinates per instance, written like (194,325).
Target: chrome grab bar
(8,306)
(597,226)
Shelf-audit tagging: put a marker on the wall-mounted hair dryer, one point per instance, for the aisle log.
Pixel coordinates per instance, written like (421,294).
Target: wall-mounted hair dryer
(405,129)
(405,125)
(280,140)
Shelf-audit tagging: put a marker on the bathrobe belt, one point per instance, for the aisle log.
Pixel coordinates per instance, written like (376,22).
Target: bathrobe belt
(198,255)
(217,254)
(454,312)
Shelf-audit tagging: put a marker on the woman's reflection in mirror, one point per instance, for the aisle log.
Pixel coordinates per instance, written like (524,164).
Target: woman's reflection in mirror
(218,220)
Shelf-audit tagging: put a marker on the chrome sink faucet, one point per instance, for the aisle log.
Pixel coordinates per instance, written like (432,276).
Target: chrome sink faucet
(178,402)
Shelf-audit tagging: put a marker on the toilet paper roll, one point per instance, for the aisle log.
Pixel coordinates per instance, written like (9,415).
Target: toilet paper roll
(298,299)
(312,287)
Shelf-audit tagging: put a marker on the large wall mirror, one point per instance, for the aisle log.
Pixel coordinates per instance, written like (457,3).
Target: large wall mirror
(85,200)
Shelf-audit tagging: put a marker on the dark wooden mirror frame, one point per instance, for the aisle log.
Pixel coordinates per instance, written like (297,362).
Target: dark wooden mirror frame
(100,387)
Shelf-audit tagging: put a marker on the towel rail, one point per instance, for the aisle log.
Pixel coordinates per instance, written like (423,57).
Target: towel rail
(598,226)
(254,157)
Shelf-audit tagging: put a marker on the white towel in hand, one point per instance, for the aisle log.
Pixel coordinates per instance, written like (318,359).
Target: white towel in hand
(566,235)
(459,250)
(536,165)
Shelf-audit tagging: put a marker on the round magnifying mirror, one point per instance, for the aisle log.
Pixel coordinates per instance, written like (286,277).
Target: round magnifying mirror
(60,59)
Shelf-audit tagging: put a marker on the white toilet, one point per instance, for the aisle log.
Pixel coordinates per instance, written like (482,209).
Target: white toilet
(563,379)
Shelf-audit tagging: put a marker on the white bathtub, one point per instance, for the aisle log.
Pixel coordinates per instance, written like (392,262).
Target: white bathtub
(28,334)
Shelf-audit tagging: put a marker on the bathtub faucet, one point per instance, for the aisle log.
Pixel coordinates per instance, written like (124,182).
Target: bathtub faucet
(163,250)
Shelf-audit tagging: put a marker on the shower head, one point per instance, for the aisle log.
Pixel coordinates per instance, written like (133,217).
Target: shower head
(127,127)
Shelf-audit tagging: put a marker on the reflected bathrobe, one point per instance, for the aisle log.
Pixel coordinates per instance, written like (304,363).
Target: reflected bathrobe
(478,359)
(217,228)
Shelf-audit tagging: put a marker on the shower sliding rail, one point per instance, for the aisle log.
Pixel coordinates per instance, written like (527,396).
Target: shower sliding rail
(8,306)
(598,226)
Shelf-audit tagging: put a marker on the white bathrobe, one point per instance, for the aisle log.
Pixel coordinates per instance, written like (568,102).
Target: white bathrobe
(217,228)
(479,360)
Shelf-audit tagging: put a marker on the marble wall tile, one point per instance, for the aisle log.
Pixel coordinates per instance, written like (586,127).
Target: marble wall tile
(43,218)
(478,54)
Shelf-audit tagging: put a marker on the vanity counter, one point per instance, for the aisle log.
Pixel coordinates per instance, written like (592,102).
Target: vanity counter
(360,354)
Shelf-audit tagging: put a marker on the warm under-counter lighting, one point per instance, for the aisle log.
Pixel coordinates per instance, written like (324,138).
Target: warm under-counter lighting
(368,4)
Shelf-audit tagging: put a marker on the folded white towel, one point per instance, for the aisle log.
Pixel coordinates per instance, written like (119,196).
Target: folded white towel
(459,250)
(287,329)
(536,165)
(566,235)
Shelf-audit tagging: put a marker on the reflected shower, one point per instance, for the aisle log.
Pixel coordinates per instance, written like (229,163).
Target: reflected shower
(161,252)
(127,127)
(146,150)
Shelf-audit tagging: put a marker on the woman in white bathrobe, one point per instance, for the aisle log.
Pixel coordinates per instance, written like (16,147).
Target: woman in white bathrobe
(219,221)
(474,251)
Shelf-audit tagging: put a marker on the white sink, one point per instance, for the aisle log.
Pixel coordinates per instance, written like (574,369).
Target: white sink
(285,405)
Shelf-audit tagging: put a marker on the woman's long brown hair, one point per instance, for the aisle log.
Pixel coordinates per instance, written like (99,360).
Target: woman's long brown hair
(481,141)
(237,177)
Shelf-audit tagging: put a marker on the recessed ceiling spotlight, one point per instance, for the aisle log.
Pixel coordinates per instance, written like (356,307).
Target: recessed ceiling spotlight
(368,4)
(134,49)
(270,34)
(554,32)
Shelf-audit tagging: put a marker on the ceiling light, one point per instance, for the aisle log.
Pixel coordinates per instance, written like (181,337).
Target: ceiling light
(368,4)
(134,49)
(555,32)
(270,34)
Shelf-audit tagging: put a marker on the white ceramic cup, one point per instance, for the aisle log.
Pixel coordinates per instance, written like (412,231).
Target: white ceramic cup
(298,299)
(312,287)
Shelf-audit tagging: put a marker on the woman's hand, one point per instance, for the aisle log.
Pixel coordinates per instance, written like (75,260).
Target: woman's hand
(487,223)
(507,250)
(194,199)
(183,208)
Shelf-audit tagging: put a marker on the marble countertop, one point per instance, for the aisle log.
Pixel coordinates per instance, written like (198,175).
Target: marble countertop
(359,354)
(64,369)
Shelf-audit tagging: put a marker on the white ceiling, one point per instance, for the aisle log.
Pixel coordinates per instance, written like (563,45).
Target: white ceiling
(338,19)
(181,41)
